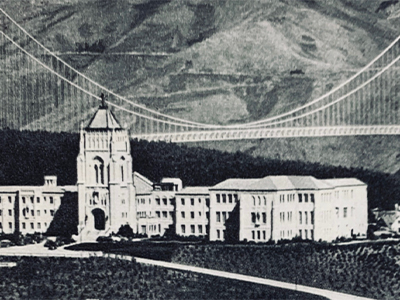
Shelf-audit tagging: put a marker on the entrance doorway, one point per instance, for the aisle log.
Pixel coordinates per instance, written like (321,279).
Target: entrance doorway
(99,219)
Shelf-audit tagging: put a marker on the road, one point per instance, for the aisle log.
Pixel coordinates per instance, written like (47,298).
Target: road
(40,251)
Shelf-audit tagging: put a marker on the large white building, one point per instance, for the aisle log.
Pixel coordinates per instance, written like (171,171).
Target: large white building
(110,195)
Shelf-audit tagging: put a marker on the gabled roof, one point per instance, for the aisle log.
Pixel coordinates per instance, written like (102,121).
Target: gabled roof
(235,184)
(142,184)
(194,190)
(103,119)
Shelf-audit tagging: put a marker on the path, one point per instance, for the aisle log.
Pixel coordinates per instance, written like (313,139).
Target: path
(40,251)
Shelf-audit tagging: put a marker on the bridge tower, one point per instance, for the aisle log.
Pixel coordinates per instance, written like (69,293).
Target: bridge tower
(106,194)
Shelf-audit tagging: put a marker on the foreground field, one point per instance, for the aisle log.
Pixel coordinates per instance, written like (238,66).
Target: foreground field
(101,278)
(369,270)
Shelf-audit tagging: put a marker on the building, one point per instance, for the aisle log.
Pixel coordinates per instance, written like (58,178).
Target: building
(111,195)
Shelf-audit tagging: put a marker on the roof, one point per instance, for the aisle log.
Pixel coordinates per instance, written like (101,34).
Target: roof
(389,217)
(142,184)
(338,182)
(103,119)
(273,183)
(194,190)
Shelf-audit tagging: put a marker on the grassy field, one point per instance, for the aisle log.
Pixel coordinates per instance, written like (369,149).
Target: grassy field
(368,269)
(101,278)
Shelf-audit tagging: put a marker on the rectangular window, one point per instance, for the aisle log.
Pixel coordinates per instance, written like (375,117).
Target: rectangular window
(312,217)
(218,198)
(264,235)
(52,212)
(51,200)
(10,225)
(264,217)
(218,234)
(223,198)
(305,197)
(235,196)
(32,213)
(253,217)
(192,214)
(10,212)
(164,214)
(38,213)
(300,218)
(32,200)
(32,226)
(199,213)
(306,234)
(9,199)
(258,235)
(224,217)
(306,217)
(312,234)
(183,229)
(158,201)
(200,227)
(312,198)
(192,229)
(23,225)
(218,217)
(45,211)
(183,214)
(300,198)
(158,214)
(253,235)
(183,201)
(191,201)
(230,198)
(23,200)
(199,200)
(164,200)
(1,212)
(345,212)
(300,234)
(37,199)
(38,226)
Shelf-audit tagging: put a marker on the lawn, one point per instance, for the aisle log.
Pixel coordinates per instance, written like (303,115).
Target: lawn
(105,278)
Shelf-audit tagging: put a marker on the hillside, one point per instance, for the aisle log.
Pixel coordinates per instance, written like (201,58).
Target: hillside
(228,61)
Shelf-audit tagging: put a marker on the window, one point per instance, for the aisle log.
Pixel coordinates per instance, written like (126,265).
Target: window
(183,201)
(258,235)
(164,214)
(183,229)
(192,214)
(158,201)
(32,226)
(235,197)
(52,212)
(10,225)
(253,235)
(223,198)
(23,200)
(254,200)
(312,198)
(230,198)
(199,200)
(9,199)
(200,228)
(38,213)
(265,200)
(218,198)
(224,217)
(123,201)
(264,217)
(45,211)
(312,234)
(305,197)
(10,212)
(300,198)
(306,234)
(345,212)
(306,217)
(300,218)
(51,200)
(218,217)
(32,213)
(300,234)
(218,234)
(192,229)
(264,235)
(158,214)
(199,213)
(122,173)
(38,226)
(312,217)
(0,212)
(192,201)
(37,199)
(253,217)
(164,200)
(23,225)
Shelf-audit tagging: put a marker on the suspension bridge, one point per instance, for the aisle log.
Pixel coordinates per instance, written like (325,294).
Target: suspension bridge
(40,91)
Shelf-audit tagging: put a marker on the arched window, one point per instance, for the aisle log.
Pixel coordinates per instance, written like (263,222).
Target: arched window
(122,168)
(99,170)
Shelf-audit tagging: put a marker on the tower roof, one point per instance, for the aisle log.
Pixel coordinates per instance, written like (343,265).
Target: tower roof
(103,118)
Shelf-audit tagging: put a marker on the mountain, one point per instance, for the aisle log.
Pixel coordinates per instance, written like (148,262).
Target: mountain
(226,61)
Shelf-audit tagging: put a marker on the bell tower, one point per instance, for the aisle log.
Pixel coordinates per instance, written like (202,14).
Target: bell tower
(106,194)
